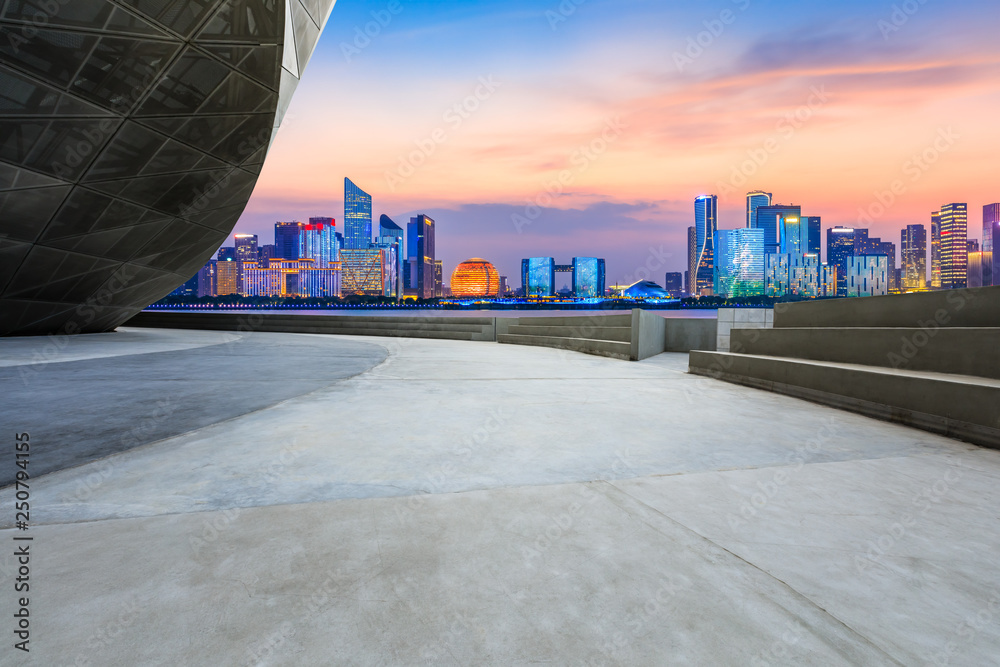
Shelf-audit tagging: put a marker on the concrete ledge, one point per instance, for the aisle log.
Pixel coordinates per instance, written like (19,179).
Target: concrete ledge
(449,328)
(620,334)
(976,307)
(604,348)
(952,405)
(962,351)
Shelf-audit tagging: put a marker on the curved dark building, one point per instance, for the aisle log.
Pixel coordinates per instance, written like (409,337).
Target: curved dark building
(132,133)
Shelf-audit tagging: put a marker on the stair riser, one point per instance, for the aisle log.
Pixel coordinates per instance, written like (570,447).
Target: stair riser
(973,352)
(961,410)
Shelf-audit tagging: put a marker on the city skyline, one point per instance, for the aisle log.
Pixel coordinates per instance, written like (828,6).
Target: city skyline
(888,99)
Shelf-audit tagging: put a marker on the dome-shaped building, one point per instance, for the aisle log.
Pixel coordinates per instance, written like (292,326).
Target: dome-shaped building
(475,278)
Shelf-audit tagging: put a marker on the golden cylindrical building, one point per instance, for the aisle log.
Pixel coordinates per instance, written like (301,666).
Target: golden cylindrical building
(475,278)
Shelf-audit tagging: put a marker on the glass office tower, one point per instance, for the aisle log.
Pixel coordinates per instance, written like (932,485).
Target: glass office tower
(420,271)
(706,220)
(740,262)
(814,232)
(771,220)
(287,239)
(755,200)
(357,217)
(538,276)
(913,245)
(588,277)
(390,236)
(954,249)
(319,242)
(991,225)
(131,136)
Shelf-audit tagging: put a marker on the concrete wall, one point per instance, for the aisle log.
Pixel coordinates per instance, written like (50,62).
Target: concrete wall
(453,328)
(649,335)
(685,335)
(977,307)
(740,318)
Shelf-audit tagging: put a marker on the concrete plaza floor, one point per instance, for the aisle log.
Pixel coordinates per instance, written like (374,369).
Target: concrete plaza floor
(367,501)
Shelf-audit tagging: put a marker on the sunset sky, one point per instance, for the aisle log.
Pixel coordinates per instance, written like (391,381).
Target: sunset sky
(823,104)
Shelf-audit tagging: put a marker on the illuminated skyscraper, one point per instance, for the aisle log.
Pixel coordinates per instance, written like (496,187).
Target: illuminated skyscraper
(419,278)
(673,283)
(706,220)
(208,284)
(357,217)
(364,272)
(913,246)
(588,277)
(755,200)
(980,272)
(288,239)
(803,276)
(692,260)
(814,230)
(991,239)
(954,250)
(292,278)
(772,220)
(538,276)
(318,242)
(991,226)
(936,250)
(840,244)
(867,275)
(390,236)
(246,248)
(227,275)
(740,259)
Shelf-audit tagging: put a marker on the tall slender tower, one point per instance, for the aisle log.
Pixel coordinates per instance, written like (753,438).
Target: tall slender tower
(991,226)
(954,246)
(936,250)
(692,263)
(913,245)
(357,217)
(991,240)
(755,200)
(706,217)
(420,257)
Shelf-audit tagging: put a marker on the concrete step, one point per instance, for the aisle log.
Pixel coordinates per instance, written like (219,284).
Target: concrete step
(956,350)
(620,334)
(373,324)
(973,307)
(578,321)
(461,329)
(957,406)
(604,348)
